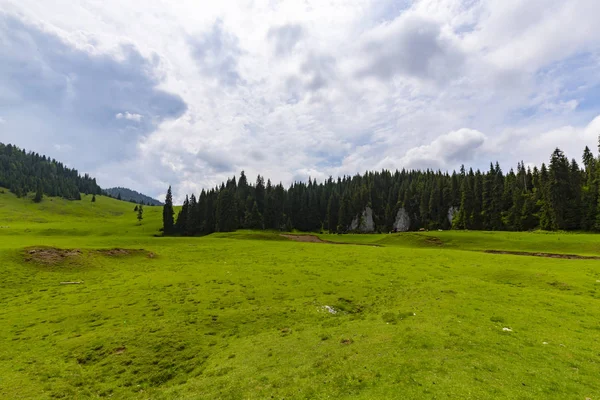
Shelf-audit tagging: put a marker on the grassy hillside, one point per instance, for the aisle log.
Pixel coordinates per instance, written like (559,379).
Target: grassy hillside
(59,217)
(538,241)
(253,315)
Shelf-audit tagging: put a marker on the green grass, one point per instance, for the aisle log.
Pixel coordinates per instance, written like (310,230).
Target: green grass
(242,315)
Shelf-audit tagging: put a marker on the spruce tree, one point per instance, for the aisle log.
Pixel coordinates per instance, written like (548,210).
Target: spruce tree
(168,222)
(140,214)
(254,219)
(93,198)
(559,188)
(39,194)
(333,208)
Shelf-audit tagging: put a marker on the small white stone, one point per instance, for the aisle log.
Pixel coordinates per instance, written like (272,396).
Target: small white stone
(507,329)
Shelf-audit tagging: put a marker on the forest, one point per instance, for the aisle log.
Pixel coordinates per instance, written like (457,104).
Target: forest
(23,172)
(559,196)
(132,196)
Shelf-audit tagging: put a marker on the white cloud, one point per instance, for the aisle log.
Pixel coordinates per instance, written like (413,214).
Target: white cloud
(446,151)
(129,116)
(295,89)
(2,120)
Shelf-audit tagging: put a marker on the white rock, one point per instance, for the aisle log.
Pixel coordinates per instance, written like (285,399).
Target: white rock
(402,222)
(363,223)
(507,329)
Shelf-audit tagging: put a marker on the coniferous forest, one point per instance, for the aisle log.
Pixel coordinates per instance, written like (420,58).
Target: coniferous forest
(23,172)
(562,195)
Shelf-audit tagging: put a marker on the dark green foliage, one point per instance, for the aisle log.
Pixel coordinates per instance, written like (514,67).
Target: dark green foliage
(140,213)
(132,196)
(226,215)
(168,222)
(560,197)
(93,198)
(254,219)
(39,194)
(23,172)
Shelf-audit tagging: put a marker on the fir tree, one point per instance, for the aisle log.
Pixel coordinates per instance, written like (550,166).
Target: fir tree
(39,194)
(254,219)
(93,198)
(140,214)
(168,222)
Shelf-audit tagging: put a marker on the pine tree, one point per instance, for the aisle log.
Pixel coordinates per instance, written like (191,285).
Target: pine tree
(93,198)
(546,215)
(119,196)
(140,213)
(39,194)
(191,226)
(168,222)
(226,211)
(559,187)
(333,208)
(254,219)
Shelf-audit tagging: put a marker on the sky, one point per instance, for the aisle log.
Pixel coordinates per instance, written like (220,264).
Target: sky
(147,94)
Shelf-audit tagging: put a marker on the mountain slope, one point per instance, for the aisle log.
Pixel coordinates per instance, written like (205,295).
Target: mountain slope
(132,196)
(24,172)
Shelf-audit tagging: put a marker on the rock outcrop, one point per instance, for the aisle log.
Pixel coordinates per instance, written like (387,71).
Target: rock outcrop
(402,222)
(452,211)
(364,222)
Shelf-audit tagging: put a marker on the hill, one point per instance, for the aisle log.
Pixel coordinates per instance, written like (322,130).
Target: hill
(24,172)
(132,196)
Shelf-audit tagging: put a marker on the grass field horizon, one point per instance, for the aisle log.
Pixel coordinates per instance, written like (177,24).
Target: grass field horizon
(253,315)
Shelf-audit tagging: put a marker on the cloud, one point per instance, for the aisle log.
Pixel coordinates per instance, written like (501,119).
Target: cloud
(2,120)
(285,38)
(446,151)
(55,92)
(217,53)
(296,89)
(413,46)
(127,115)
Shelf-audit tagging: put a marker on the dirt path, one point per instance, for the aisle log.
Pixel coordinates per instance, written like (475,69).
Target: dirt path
(548,255)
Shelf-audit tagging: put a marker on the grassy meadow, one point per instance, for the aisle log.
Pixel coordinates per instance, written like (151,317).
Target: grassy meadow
(253,315)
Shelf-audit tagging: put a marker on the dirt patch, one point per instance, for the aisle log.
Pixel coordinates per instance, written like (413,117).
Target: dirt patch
(50,255)
(305,238)
(120,350)
(315,239)
(548,255)
(117,252)
(434,241)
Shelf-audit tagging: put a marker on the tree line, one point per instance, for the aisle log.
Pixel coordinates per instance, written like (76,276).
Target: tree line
(560,196)
(22,172)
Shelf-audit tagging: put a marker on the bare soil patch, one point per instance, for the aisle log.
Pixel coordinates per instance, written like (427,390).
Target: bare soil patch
(434,241)
(50,255)
(548,255)
(117,252)
(305,238)
(315,239)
